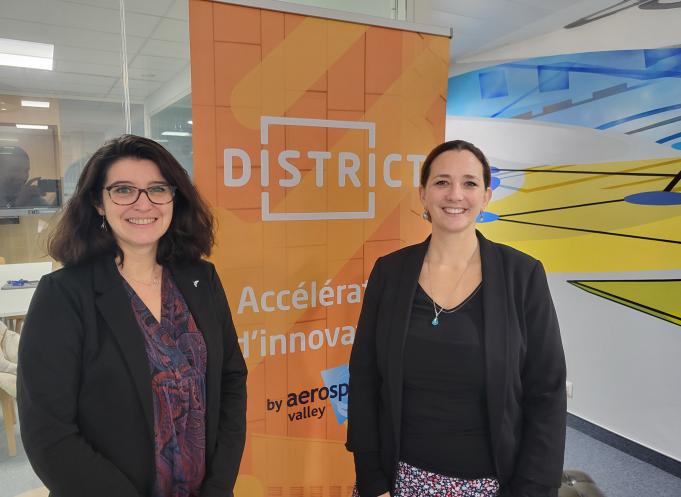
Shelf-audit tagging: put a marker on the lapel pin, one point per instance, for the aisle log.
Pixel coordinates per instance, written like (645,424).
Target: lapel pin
(196,283)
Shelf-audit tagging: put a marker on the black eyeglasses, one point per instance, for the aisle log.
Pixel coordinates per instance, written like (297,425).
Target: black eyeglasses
(128,195)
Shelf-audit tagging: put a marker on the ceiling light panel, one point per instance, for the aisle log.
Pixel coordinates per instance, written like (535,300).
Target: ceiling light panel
(176,133)
(35,103)
(32,126)
(28,54)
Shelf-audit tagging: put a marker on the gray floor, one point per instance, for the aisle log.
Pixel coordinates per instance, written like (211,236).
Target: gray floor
(16,475)
(616,473)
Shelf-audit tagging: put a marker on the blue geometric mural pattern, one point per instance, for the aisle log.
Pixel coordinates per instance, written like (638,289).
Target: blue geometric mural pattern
(612,90)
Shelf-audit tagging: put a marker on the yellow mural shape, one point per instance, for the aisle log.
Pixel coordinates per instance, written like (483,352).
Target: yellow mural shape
(575,218)
(658,298)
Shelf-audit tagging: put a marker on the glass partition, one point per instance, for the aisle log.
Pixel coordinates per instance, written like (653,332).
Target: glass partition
(172,127)
(61,98)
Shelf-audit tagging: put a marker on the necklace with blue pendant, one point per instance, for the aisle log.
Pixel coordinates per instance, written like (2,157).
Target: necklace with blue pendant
(436,320)
(437,312)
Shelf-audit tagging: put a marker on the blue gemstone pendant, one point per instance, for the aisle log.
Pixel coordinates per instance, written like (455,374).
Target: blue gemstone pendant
(435,322)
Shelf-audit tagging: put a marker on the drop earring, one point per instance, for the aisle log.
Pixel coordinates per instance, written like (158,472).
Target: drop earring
(481,217)
(103,225)
(426,215)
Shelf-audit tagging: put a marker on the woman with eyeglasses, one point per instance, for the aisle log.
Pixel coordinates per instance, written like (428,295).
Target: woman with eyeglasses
(131,381)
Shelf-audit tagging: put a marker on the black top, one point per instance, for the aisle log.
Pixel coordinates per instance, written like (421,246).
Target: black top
(524,371)
(84,385)
(444,417)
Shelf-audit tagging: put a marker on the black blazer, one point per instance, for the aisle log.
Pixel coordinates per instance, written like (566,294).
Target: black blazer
(84,385)
(524,365)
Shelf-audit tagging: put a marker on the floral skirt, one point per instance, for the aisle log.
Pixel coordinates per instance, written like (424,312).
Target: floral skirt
(415,482)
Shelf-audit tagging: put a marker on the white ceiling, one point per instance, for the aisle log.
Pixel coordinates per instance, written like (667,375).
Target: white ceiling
(86,35)
(482,25)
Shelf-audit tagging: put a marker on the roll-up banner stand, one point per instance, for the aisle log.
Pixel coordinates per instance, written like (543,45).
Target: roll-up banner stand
(309,129)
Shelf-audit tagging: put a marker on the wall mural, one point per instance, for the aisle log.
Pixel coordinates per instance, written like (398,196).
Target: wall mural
(611,193)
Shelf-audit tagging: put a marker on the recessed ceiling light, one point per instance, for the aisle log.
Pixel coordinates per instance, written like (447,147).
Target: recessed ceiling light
(35,103)
(32,126)
(18,53)
(9,139)
(190,122)
(176,133)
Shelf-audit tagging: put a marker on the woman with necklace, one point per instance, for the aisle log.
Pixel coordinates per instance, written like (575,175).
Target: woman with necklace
(457,373)
(131,382)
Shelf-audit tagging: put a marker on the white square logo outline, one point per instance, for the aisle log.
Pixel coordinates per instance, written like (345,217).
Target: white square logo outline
(267,121)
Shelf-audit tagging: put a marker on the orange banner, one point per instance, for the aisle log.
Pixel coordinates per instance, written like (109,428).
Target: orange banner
(308,138)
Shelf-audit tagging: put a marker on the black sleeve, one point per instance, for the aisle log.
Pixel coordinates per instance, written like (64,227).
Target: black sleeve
(520,487)
(371,480)
(363,401)
(223,469)
(48,379)
(539,463)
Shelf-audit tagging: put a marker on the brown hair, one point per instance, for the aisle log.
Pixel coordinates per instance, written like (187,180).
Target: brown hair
(78,236)
(456,145)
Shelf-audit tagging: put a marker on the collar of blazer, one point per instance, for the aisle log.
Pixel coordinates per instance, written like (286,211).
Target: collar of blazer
(113,303)
(495,311)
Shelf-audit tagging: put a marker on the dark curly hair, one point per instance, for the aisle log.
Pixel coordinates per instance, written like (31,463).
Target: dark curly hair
(78,237)
(456,145)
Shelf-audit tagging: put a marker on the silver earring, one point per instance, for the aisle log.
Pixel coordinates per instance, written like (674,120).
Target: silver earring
(481,216)
(103,225)
(426,215)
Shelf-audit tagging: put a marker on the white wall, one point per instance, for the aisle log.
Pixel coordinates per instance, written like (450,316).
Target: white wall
(624,364)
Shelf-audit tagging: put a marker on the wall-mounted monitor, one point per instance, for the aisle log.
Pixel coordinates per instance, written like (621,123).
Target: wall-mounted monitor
(30,182)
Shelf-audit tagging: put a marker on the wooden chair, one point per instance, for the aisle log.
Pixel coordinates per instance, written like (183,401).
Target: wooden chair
(36,492)
(8,386)
(14,323)
(10,419)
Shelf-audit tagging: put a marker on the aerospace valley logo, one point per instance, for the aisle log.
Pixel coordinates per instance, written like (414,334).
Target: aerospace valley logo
(313,403)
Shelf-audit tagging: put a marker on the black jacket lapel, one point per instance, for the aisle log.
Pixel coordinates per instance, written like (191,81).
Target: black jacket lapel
(399,325)
(195,287)
(495,336)
(114,305)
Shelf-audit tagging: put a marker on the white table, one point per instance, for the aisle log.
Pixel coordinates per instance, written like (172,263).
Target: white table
(15,302)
